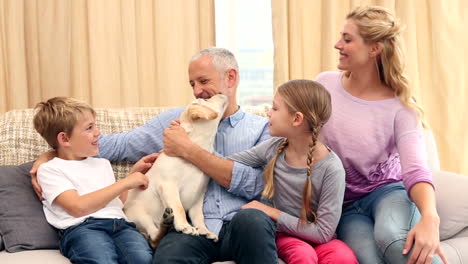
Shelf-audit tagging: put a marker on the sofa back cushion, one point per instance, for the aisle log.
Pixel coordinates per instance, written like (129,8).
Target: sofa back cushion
(22,222)
(20,143)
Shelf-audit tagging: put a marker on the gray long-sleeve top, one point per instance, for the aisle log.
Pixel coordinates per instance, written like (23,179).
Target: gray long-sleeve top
(328,186)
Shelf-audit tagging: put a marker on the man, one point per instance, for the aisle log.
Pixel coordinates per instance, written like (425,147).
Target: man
(246,236)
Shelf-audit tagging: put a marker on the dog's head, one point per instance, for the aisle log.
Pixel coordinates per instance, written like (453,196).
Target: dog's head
(207,109)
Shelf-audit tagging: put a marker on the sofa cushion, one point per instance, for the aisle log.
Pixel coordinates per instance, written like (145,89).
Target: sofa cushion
(452,202)
(22,222)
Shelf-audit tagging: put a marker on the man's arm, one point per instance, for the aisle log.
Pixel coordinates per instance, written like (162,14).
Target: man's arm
(177,143)
(136,143)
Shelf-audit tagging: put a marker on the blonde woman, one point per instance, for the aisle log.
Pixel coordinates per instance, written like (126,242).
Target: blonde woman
(375,129)
(304,179)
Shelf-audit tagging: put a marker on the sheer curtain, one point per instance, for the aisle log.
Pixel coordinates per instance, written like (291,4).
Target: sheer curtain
(109,53)
(305,31)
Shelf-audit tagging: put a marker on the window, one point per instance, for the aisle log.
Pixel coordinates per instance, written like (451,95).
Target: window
(244,27)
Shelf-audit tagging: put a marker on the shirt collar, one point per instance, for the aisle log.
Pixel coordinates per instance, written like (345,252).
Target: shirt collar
(235,118)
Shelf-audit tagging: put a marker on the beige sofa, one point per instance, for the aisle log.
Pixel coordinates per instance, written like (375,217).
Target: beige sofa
(19,143)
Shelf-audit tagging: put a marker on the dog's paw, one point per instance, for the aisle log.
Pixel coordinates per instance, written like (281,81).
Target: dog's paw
(205,232)
(186,229)
(212,236)
(168,217)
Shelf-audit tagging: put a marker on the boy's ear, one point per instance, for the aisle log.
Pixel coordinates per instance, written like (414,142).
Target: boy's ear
(63,139)
(298,119)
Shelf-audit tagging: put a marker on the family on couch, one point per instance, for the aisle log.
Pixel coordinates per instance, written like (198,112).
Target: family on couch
(387,186)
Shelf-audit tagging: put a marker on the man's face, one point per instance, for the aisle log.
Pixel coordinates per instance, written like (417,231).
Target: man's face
(205,80)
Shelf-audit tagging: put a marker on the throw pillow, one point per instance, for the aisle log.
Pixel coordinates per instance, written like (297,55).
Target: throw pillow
(23,225)
(452,202)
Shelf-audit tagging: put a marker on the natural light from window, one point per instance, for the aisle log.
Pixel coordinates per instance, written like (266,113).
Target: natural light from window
(244,27)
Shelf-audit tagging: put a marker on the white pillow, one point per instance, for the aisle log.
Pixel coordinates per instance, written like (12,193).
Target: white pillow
(452,202)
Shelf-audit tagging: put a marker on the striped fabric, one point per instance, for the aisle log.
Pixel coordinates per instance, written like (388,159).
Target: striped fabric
(20,143)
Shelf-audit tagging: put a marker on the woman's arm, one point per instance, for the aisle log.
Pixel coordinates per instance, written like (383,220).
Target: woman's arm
(424,236)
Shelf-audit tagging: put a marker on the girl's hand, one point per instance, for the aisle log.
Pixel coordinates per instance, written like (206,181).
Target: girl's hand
(424,238)
(273,213)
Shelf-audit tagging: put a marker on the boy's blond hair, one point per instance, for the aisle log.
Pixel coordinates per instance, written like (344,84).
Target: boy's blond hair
(58,114)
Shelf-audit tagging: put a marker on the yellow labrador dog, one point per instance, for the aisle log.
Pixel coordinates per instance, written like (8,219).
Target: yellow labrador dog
(176,183)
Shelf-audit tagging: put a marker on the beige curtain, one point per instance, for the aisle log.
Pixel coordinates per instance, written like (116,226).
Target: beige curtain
(305,31)
(110,53)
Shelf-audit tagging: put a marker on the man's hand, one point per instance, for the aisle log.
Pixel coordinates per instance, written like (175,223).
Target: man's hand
(144,164)
(176,140)
(424,238)
(43,158)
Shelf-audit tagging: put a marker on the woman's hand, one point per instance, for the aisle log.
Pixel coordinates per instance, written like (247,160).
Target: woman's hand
(424,238)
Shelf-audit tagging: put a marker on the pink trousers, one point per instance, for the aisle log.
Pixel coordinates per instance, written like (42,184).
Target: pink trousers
(296,251)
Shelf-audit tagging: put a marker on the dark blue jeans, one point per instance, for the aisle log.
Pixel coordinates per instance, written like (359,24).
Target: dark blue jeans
(104,241)
(248,238)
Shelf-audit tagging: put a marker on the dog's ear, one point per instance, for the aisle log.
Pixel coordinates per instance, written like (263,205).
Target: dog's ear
(198,111)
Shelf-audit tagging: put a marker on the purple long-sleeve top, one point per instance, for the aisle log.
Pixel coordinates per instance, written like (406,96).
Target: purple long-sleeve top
(379,142)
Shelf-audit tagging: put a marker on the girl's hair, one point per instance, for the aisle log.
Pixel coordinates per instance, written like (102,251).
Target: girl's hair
(377,24)
(58,114)
(314,102)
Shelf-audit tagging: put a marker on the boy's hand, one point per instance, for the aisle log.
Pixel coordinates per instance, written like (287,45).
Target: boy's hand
(137,180)
(144,164)
(43,158)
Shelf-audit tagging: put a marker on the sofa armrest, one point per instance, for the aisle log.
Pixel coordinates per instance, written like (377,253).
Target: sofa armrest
(452,202)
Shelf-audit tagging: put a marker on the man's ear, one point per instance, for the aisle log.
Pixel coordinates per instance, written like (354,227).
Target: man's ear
(231,77)
(198,111)
(63,139)
(298,119)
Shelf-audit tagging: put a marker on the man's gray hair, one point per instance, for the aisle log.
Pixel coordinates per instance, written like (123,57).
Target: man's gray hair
(221,58)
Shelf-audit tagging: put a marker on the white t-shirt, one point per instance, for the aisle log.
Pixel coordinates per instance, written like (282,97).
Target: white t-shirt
(85,176)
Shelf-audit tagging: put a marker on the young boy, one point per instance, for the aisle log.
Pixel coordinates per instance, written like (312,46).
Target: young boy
(82,199)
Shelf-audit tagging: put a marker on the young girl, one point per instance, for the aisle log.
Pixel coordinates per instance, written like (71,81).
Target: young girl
(374,129)
(304,180)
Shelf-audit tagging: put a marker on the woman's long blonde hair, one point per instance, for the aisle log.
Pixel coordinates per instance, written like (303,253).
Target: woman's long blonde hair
(314,102)
(377,24)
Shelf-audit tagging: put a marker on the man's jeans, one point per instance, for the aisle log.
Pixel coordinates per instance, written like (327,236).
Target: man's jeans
(104,241)
(375,226)
(248,238)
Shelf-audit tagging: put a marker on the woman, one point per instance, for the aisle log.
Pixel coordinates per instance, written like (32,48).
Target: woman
(375,129)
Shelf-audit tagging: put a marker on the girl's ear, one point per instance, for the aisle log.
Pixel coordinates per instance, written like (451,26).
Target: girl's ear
(298,119)
(63,139)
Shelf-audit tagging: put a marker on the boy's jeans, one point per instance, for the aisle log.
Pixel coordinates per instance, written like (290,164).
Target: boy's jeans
(104,241)
(376,225)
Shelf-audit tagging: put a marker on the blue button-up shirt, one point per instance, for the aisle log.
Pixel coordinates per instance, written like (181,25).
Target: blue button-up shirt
(238,132)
